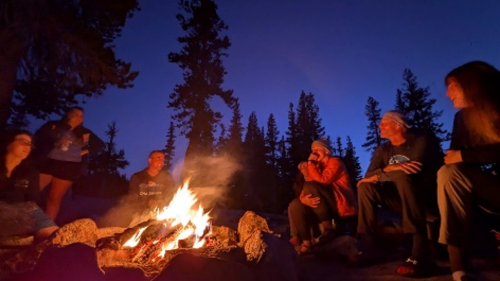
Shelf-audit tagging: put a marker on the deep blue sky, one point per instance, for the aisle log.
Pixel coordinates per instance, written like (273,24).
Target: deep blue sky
(341,51)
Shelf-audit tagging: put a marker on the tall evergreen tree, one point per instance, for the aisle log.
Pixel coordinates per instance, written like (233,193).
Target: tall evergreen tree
(109,161)
(201,60)
(304,128)
(271,142)
(170,146)
(54,51)
(104,169)
(372,112)
(235,137)
(338,149)
(351,162)
(255,164)
(416,104)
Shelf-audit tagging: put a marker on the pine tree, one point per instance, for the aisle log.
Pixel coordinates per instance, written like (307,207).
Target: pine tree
(351,162)
(234,140)
(53,52)
(104,169)
(372,112)
(338,149)
(201,60)
(271,142)
(255,163)
(416,104)
(170,146)
(304,128)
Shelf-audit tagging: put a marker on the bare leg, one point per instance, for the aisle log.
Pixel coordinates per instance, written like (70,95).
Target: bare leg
(44,233)
(44,180)
(56,194)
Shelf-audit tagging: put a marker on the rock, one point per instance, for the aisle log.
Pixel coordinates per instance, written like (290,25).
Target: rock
(249,224)
(278,262)
(75,262)
(342,247)
(124,274)
(225,236)
(79,231)
(187,267)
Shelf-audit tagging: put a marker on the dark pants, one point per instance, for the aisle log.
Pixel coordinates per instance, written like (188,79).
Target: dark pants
(403,196)
(459,187)
(303,217)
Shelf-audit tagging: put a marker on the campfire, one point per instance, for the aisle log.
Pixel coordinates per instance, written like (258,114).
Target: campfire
(182,224)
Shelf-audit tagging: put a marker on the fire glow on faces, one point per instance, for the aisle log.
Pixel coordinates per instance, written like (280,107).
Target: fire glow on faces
(388,128)
(20,147)
(456,94)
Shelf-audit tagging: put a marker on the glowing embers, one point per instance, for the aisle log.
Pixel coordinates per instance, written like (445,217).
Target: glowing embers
(181,224)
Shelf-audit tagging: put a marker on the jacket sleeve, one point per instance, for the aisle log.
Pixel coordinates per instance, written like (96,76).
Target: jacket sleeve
(377,165)
(330,173)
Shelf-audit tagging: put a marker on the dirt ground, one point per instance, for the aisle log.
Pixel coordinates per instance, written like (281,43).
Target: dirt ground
(311,268)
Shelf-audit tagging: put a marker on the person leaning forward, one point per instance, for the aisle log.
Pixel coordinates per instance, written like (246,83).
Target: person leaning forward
(398,178)
(153,185)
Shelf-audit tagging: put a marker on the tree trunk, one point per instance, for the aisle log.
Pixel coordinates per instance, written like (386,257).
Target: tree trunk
(10,54)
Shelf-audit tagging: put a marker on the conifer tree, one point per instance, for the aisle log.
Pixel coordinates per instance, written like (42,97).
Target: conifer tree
(104,169)
(170,146)
(372,112)
(255,164)
(272,135)
(201,61)
(351,162)
(415,102)
(52,52)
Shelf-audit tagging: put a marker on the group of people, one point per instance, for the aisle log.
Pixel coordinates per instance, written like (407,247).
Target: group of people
(59,158)
(408,174)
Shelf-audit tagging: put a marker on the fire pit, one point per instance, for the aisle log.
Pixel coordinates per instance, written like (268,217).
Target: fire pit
(171,242)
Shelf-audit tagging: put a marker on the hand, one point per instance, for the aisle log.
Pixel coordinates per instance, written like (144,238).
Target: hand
(410,167)
(86,138)
(453,156)
(84,152)
(372,179)
(310,201)
(313,157)
(303,167)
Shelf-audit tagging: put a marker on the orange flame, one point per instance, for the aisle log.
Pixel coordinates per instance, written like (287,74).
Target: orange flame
(181,210)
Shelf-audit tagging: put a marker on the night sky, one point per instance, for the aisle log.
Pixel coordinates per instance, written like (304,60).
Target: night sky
(341,51)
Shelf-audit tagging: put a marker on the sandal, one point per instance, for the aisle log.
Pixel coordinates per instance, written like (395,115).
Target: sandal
(414,268)
(304,249)
(327,236)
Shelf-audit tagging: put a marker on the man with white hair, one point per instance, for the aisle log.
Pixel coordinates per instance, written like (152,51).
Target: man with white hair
(398,178)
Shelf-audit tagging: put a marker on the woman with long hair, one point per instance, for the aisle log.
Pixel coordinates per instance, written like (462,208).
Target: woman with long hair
(62,147)
(19,188)
(474,89)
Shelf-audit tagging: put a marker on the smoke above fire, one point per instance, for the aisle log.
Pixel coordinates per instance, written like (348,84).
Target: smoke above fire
(208,179)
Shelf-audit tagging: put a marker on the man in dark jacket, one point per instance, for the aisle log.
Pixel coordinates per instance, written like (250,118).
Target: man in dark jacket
(152,186)
(400,177)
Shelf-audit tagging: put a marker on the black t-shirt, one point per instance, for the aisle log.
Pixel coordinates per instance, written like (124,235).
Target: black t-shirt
(147,187)
(21,186)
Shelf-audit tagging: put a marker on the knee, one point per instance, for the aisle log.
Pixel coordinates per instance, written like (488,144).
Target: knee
(365,189)
(447,174)
(295,205)
(311,188)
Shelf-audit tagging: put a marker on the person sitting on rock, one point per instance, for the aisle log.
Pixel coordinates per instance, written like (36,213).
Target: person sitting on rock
(326,192)
(153,186)
(398,178)
(466,179)
(19,187)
